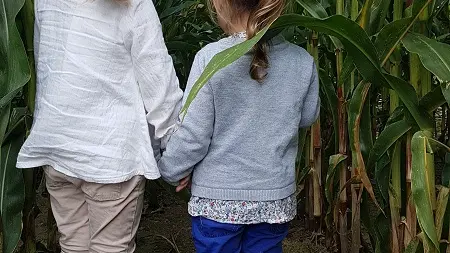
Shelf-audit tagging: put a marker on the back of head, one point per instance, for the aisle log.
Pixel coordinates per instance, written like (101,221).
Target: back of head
(259,14)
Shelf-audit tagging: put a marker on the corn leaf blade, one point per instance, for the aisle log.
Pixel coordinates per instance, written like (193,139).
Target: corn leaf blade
(14,69)
(11,195)
(386,139)
(421,188)
(434,55)
(218,62)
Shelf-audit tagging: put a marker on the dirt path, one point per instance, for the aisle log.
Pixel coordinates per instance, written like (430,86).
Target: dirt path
(167,229)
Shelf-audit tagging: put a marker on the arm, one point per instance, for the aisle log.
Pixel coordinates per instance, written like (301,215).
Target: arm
(154,72)
(37,32)
(190,143)
(311,105)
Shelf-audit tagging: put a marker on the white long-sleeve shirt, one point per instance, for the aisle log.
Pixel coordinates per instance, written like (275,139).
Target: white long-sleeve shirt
(105,82)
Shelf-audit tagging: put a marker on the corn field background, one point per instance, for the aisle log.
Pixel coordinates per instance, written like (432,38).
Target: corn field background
(373,172)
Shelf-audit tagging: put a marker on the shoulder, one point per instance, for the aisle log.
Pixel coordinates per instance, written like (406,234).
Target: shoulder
(141,10)
(139,4)
(299,53)
(298,58)
(211,49)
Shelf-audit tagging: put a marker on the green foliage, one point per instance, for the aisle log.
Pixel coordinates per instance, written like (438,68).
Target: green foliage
(14,71)
(434,55)
(369,56)
(11,195)
(14,74)
(369,47)
(330,187)
(420,147)
(187,27)
(219,61)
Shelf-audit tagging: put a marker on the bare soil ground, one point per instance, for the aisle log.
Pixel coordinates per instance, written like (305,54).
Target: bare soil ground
(166,228)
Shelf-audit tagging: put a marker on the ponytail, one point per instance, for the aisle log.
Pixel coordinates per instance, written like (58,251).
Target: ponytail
(263,15)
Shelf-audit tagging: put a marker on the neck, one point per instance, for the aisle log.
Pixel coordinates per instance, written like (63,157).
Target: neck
(239,26)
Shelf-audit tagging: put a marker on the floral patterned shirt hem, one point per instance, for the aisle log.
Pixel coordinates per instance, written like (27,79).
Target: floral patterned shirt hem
(244,212)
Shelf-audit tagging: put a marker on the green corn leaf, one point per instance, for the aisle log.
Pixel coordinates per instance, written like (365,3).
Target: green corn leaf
(441,207)
(435,98)
(368,221)
(332,99)
(364,55)
(346,72)
(302,133)
(445,88)
(435,144)
(420,187)
(382,176)
(379,10)
(11,194)
(409,98)
(335,160)
(180,45)
(220,61)
(364,15)
(386,139)
(413,246)
(446,171)
(4,121)
(356,42)
(436,7)
(14,69)
(333,167)
(434,55)
(383,226)
(391,35)
(427,244)
(14,74)
(176,9)
(355,107)
(302,174)
(314,8)
(354,118)
(366,130)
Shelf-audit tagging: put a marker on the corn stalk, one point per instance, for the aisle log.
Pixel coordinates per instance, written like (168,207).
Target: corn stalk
(395,194)
(316,150)
(342,114)
(370,44)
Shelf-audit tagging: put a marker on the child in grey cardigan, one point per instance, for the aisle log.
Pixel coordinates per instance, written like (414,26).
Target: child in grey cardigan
(239,141)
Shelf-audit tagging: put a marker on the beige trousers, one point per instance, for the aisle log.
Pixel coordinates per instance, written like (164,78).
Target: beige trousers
(91,217)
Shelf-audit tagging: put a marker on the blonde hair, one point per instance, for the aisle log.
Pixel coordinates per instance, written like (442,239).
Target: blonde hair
(261,14)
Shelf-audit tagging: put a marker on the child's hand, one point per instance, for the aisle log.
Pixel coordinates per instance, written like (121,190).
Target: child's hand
(185,182)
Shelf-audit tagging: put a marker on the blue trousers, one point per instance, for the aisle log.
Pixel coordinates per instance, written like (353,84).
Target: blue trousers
(215,237)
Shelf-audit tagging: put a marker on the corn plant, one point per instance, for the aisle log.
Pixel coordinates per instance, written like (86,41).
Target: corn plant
(16,73)
(368,164)
(187,27)
(371,59)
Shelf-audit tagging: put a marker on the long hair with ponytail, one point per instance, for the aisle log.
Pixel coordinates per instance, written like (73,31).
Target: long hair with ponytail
(261,13)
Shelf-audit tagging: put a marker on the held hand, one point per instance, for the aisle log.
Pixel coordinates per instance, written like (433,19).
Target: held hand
(185,182)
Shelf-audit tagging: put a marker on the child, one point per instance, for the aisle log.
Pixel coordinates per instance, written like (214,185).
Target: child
(104,81)
(239,138)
